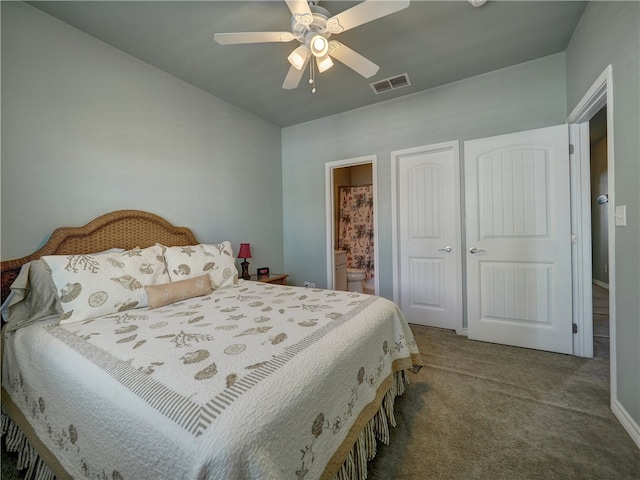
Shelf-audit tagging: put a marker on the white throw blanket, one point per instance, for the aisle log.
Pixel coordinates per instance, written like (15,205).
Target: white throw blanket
(255,381)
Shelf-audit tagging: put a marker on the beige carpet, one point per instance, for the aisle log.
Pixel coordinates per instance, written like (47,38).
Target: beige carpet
(485,411)
(600,312)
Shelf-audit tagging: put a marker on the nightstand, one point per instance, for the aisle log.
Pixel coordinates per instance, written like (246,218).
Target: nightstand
(278,278)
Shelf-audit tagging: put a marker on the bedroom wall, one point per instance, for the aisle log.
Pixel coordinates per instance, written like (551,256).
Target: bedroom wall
(526,96)
(87,129)
(609,34)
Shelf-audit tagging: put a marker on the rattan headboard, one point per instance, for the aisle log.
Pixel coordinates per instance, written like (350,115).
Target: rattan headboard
(120,229)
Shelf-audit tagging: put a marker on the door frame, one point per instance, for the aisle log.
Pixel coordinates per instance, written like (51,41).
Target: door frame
(599,95)
(453,145)
(329,168)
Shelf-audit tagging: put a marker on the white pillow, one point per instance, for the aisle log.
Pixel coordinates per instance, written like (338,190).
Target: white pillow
(92,285)
(216,259)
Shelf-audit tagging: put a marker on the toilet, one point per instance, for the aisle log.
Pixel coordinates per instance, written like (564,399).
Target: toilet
(355,277)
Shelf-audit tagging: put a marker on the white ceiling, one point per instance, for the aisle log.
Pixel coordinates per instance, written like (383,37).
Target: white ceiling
(434,42)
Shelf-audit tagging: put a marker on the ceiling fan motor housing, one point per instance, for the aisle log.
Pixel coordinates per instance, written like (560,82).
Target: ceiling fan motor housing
(305,27)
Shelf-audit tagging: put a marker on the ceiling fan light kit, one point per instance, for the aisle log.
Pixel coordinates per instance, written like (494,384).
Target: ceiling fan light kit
(312,26)
(324,63)
(298,58)
(318,45)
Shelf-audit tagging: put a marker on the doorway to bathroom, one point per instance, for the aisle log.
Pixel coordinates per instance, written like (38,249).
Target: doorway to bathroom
(352,224)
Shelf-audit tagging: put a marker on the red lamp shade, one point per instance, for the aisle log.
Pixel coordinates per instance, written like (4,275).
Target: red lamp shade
(245,251)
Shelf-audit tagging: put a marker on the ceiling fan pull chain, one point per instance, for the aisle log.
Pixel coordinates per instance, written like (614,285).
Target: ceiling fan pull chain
(312,76)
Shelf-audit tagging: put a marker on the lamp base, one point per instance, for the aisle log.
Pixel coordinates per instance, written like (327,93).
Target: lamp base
(245,270)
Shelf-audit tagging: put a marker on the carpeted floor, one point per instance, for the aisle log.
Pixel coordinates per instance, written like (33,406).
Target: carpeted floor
(600,312)
(481,411)
(485,411)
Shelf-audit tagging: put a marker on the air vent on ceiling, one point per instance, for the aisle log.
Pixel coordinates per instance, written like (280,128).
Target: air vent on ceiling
(391,83)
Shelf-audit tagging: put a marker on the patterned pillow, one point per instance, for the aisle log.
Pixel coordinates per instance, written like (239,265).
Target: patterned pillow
(90,286)
(217,260)
(161,295)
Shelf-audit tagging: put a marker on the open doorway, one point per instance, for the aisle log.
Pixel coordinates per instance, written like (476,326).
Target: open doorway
(352,220)
(599,230)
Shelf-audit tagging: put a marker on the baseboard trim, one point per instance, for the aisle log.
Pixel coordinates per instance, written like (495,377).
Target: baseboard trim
(599,283)
(632,428)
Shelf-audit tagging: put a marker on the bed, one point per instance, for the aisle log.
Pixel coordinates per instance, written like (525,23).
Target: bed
(187,372)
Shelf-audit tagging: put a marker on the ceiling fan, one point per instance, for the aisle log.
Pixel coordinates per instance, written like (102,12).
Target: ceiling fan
(312,26)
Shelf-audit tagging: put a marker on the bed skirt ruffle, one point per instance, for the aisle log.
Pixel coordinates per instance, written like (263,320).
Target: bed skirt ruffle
(28,458)
(365,447)
(353,468)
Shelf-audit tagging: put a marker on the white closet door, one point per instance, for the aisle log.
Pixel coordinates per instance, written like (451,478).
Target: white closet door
(429,255)
(518,239)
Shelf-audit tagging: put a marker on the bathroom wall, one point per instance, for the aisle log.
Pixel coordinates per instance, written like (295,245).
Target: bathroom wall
(361,175)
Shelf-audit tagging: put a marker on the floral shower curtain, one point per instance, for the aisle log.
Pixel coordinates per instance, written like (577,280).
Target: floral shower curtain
(355,234)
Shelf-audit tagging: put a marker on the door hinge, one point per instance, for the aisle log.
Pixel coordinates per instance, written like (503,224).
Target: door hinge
(571,149)
(575,327)
(574,238)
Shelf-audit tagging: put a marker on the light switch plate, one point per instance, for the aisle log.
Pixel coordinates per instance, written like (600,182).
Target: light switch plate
(621,216)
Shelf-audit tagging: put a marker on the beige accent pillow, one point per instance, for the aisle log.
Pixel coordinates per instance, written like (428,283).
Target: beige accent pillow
(161,295)
(192,261)
(92,285)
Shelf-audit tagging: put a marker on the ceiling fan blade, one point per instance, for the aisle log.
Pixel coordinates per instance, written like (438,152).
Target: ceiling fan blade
(352,59)
(299,7)
(364,12)
(252,37)
(292,80)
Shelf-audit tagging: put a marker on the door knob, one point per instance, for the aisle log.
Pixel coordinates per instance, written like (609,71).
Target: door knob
(475,250)
(445,249)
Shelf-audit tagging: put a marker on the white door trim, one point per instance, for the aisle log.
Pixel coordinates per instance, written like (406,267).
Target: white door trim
(329,167)
(454,146)
(599,95)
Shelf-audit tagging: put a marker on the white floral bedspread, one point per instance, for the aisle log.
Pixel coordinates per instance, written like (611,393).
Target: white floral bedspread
(257,381)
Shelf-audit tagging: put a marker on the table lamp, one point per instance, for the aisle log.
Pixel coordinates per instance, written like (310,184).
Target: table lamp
(244,253)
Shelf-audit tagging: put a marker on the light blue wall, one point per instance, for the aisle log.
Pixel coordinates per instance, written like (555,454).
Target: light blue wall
(87,129)
(522,97)
(609,34)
